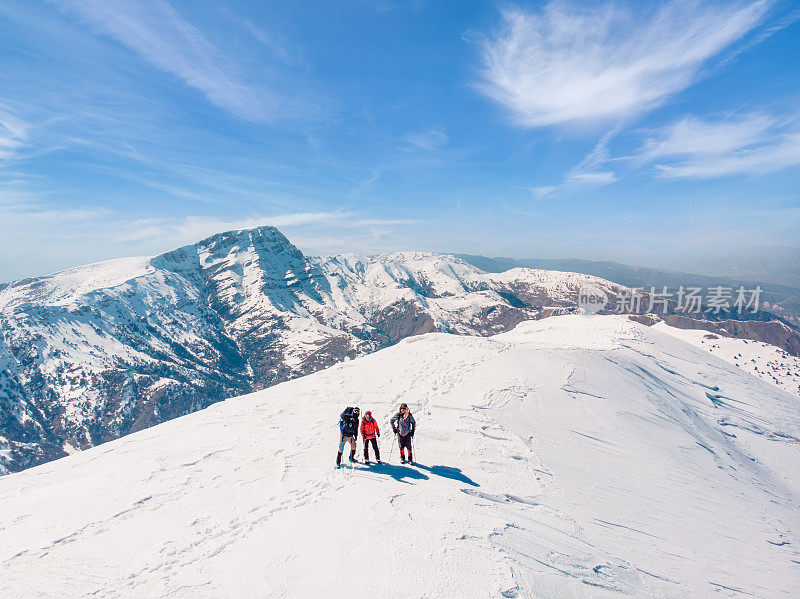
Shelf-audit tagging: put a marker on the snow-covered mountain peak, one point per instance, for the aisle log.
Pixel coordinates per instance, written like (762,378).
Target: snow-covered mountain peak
(262,239)
(264,247)
(262,242)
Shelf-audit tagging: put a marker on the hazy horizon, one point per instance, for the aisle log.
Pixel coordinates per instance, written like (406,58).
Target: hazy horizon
(781,270)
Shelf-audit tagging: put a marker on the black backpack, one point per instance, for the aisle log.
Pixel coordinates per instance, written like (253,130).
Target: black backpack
(348,422)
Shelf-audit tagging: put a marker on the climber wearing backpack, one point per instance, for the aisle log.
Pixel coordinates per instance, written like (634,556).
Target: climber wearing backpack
(369,432)
(404,425)
(348,427)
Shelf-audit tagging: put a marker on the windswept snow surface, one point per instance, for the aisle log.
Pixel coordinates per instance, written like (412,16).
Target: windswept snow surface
(576,456)
(767,362)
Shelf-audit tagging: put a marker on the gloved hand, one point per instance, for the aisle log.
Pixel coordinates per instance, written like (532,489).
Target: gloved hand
(379,434)
(395,430)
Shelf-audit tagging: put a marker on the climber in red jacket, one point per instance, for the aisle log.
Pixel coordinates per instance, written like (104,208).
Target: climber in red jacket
(369,432)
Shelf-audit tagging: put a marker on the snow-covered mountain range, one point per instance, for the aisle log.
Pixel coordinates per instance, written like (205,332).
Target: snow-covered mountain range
(95,352)
(575,456)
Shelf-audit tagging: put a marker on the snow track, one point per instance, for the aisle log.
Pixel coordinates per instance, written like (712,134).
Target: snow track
(572,457)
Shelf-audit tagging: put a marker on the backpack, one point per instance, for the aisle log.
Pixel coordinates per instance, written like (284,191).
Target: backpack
(348,422)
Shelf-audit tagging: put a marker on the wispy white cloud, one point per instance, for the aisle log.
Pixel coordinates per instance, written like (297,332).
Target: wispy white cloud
(590,172)
(155,31)
(13,135)
(785,21)
(591,178)
(274,43)
(692,136)
(382,222)
(427,141)
(752,144)
(192,228)
(571,64)
(542,191)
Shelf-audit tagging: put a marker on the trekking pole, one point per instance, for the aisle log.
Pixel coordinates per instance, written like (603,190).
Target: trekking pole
(391,451)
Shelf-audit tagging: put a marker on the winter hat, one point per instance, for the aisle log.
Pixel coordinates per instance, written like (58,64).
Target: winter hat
(367,413)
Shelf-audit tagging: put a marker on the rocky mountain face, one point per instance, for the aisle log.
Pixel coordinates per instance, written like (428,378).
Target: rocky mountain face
(93,353)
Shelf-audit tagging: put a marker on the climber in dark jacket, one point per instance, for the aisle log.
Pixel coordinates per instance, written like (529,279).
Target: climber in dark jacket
(348,429)
(404,425)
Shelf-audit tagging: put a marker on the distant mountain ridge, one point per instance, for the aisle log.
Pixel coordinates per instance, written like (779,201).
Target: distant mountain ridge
(782,300)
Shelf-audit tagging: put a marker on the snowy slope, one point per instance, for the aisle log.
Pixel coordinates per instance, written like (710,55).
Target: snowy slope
(769,363)
(577,456)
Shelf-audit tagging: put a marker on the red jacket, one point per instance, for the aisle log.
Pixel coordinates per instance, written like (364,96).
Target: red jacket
(369,430)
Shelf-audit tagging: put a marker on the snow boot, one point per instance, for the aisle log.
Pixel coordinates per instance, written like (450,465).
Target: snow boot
(339,460)
(353,456)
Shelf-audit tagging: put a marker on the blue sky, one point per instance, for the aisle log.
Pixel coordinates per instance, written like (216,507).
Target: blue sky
(649,133)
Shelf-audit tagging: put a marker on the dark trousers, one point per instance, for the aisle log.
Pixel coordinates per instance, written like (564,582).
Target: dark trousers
(405,443)
(374,446)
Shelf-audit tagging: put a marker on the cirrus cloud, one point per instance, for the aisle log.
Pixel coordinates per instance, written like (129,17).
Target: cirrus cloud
(753,144)
(568,64)
(157,33)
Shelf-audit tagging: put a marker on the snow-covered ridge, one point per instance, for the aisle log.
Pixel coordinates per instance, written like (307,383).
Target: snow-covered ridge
(66,286)
(575,456)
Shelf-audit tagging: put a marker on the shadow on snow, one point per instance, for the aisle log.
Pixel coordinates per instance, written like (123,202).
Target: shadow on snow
(449,472)
(406,473)
(399,473)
